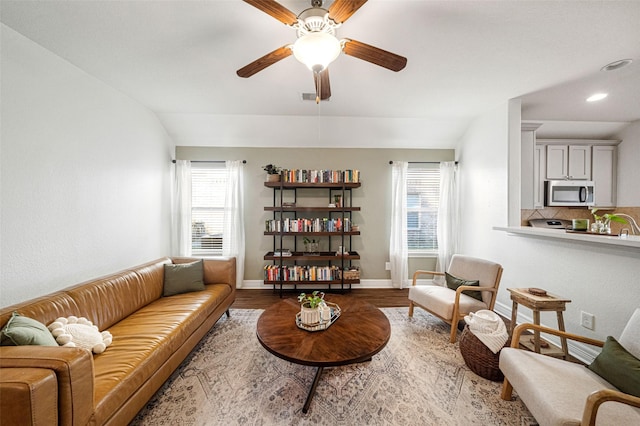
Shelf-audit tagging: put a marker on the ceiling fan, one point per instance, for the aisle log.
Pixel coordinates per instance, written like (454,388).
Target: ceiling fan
(317,45)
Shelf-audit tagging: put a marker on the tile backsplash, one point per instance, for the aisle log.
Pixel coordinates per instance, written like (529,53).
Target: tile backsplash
(578,213)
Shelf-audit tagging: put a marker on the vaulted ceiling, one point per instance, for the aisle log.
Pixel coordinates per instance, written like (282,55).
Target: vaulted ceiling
(179,58)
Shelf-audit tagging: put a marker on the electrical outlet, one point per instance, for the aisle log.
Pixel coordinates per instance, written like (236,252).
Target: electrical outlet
(587,320)
(387,266)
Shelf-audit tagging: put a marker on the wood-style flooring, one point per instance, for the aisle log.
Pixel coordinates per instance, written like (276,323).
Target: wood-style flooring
(380,297)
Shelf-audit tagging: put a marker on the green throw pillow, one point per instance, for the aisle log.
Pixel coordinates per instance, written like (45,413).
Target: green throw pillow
(454,282)
(183,278)
(22,331)
(618,367)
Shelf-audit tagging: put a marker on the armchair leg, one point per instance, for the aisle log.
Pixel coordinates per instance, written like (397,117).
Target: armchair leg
(410,308)
(454,331)
(507,390)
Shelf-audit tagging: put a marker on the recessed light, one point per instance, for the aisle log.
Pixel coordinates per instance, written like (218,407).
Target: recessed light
(616,65)
(597,97)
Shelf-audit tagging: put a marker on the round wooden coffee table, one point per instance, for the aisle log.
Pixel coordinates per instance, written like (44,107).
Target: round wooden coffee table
(361,331)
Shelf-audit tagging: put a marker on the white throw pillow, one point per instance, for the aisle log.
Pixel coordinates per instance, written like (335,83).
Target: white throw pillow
(80,332)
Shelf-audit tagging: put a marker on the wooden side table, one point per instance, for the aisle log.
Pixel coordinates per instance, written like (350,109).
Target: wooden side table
(550,302)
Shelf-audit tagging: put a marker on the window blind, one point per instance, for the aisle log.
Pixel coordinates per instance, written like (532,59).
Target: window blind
(423,197)
(208,190)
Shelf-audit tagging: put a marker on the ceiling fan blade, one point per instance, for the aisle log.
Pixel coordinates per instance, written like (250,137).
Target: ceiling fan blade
(267,60)
(323,87)
(275,9)
(341,10)
(374,55)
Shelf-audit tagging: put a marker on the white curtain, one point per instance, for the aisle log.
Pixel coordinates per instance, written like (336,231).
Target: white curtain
(233,224)
(398,247)
(448,216)
(181,210)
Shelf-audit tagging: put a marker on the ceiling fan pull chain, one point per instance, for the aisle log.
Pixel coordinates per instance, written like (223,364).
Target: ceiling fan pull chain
(318,87)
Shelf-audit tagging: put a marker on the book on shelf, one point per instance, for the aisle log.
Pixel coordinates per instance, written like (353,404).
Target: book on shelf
(308,225)
(321,176)
(282,253)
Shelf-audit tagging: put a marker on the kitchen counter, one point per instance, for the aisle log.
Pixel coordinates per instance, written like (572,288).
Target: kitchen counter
(632,241)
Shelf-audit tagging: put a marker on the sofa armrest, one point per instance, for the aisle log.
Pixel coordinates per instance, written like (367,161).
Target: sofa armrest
(73,368)
(28,396)
(597,398)
(515,339)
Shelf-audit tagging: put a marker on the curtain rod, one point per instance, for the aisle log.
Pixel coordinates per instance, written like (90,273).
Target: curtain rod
(422,162)
(209,161)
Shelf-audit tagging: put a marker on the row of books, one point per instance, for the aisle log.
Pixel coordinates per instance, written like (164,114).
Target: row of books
(302,273)
(307,225)
(321,176)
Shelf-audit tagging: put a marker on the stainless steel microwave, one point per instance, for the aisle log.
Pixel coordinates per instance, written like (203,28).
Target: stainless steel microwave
(568,193)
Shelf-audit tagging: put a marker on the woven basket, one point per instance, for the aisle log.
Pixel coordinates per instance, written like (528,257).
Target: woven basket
(478,357)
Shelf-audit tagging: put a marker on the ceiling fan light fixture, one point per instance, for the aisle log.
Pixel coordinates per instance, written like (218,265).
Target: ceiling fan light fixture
(316,50)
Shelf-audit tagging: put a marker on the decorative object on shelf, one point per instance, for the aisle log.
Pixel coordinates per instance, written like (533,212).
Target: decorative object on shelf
(351,274)
(273,172)
(337,200)
(342,252)
(310,247)
(602,224)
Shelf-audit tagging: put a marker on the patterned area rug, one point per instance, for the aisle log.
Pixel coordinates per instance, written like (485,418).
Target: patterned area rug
(419,378)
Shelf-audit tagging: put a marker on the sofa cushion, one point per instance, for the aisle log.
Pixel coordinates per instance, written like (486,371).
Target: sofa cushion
(439,300)
(454,282)
(618,367)
(555,391)
(105,301)
(183,278)
(21,330)
(144,341)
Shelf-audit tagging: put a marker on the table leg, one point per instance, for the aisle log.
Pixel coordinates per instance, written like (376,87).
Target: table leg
(565,349)
(536,333)
(514,316)
(312,391)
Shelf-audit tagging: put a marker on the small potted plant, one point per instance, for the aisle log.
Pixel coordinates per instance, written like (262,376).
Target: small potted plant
(273,172)
(311,306)
(602,224)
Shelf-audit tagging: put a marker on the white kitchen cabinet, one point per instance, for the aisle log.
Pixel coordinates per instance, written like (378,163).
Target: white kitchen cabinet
(539,172)
(529,170)
(568,162)
(604,174)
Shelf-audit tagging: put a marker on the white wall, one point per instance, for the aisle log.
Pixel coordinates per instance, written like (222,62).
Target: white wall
(599,280)
(85,175)
(629,172)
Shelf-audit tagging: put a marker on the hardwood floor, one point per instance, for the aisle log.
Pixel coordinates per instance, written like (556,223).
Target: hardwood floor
(380,297)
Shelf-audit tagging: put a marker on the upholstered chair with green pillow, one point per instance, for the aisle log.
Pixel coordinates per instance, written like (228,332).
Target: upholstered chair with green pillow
(559,392)
(471,285)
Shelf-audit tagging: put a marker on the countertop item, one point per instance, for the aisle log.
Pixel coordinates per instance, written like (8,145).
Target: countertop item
(550,223)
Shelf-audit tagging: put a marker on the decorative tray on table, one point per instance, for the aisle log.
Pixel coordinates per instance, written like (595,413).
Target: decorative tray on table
(322,325)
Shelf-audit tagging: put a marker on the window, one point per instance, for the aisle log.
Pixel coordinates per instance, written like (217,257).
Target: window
(208,189)
(423,196)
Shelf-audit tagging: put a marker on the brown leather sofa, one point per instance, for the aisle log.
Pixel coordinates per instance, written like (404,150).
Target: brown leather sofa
(152,335)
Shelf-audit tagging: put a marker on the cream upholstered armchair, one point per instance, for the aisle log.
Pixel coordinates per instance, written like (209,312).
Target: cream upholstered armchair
(452,305)
(559,392)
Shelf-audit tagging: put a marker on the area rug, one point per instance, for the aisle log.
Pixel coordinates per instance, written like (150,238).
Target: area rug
(419,378)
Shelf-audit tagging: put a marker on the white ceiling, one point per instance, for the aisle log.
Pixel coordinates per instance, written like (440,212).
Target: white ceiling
(464,57)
